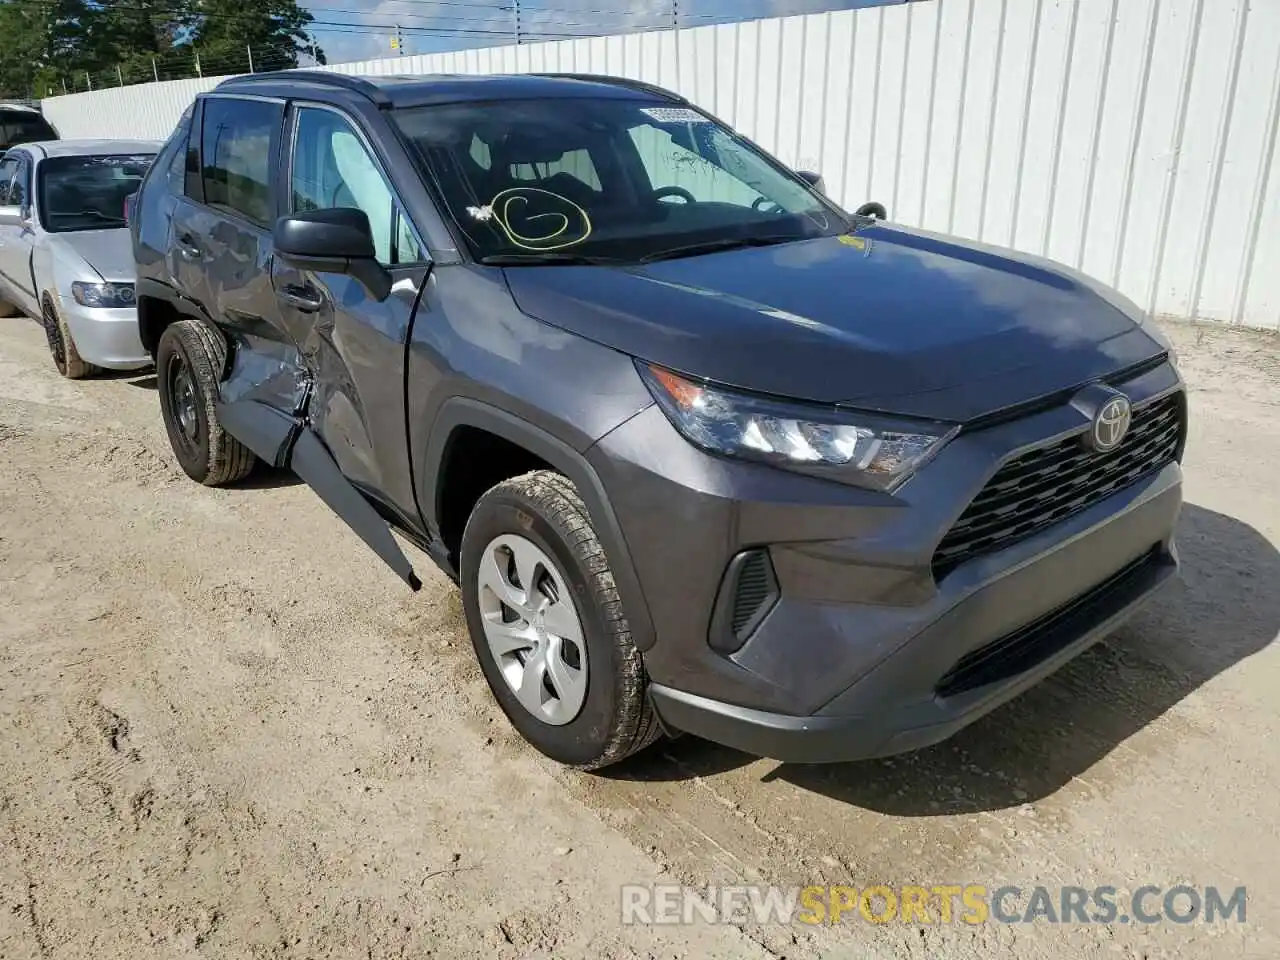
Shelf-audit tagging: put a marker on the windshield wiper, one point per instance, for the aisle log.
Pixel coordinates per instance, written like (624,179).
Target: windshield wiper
(714,246)
(93,213)
(546,259)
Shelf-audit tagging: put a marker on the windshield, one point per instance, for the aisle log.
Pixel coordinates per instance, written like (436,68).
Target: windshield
(567,180)
(88,193)
(23,126)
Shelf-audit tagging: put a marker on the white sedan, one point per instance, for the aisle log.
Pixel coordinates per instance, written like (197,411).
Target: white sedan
(66,258)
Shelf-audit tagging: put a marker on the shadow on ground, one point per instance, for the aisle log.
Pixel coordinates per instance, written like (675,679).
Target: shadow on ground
(268,478)
(1223,609)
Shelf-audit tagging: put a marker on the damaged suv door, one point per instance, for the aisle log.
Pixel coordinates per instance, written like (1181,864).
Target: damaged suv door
(315,311)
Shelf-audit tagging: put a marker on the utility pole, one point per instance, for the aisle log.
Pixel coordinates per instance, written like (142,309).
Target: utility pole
(198,71)
(155,71)
(397,42)
(519,32)
(88,79)
(64,86)
(250,49)
(119,75)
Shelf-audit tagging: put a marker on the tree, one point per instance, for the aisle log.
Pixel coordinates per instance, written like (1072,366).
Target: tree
(23,49)
(46,43)
(39,39)
(132,35)
(276,31)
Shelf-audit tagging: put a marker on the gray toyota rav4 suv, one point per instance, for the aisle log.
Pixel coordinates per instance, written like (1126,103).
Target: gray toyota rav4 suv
(704,452)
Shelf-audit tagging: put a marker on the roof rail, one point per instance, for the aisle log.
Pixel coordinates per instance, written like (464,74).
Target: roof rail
(617,82)
(320,77)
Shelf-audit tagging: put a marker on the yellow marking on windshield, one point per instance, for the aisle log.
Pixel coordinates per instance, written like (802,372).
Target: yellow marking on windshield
(547,236)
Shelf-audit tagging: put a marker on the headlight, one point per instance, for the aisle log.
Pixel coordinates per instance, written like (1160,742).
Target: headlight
(103,294)
(865,449)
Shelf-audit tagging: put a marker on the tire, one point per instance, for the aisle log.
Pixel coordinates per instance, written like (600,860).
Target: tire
(190,359)
(61,344)
(615,718)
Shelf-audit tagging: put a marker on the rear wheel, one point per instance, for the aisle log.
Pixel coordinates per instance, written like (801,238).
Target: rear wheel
(61,345)
(548,626)
(189,362)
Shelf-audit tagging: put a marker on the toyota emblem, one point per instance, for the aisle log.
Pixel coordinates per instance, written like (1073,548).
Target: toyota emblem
(1110,424)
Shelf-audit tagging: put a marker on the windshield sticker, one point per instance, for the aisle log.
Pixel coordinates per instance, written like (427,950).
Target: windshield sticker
(535,219)
(674,115)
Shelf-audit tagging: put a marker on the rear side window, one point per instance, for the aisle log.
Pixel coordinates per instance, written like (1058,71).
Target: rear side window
(23,126)
(170,166)
(236,148)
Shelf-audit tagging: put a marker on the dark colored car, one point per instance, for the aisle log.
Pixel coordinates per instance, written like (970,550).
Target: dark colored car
(704,452)
(22,123)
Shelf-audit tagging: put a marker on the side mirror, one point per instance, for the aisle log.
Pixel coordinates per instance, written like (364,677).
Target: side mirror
(874,210)
(15,217)
(813,179)
(333,241)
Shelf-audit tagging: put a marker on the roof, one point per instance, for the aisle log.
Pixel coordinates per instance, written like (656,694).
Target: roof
(431,89)
(13,105)
(84,148)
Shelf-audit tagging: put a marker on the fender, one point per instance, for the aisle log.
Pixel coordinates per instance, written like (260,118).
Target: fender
(465,412)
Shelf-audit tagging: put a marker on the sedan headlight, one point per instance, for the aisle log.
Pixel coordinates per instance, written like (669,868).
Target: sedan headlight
(865,449)
(103,294)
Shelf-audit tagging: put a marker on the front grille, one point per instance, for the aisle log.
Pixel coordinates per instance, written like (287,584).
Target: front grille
(1045,486)
(1028,646)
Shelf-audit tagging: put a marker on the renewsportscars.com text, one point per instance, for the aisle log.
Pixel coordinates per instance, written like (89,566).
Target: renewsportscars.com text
(936,904)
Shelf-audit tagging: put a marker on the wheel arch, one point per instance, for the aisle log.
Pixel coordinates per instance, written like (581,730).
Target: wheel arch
(462,414)
(159,307)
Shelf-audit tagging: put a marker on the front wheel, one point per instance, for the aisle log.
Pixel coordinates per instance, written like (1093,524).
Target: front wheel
(62,346)
(548,626)
(189,361)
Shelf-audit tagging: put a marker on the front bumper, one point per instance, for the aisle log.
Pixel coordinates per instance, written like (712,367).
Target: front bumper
(106,338)
(865,652)
(855,727)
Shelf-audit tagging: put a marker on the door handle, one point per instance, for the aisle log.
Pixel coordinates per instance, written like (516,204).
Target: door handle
(304,297)
(188,249)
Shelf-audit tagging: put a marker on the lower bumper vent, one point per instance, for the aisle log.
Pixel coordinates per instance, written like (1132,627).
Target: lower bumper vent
(747,594)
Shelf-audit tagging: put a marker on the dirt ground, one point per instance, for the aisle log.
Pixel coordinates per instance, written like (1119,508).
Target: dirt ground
(227,731)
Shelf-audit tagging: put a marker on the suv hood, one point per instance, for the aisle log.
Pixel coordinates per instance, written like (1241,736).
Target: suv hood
(889,319)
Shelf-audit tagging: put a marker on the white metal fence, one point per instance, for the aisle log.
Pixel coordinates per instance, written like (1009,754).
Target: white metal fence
(1135,139)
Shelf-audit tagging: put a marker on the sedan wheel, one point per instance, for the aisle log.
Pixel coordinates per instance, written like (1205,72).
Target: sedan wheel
(57,346)
(61,346)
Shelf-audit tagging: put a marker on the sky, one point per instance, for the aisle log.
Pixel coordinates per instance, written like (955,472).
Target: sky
(361,30)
